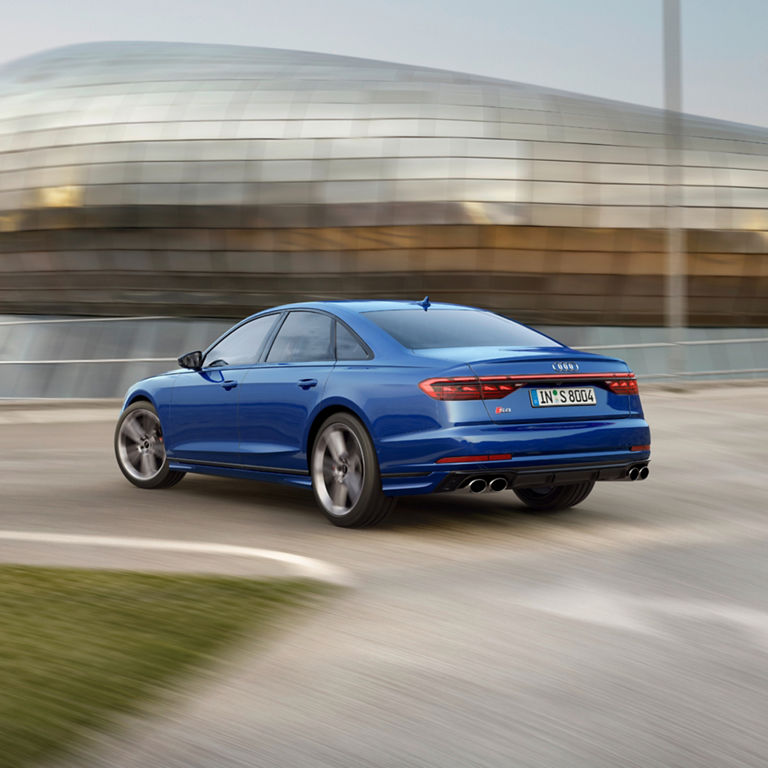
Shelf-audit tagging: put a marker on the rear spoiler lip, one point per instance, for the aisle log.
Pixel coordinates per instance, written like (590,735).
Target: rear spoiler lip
(530,377)
(565,353)
(510,356)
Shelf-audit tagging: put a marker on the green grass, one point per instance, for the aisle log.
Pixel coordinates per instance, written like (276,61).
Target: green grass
(79,647)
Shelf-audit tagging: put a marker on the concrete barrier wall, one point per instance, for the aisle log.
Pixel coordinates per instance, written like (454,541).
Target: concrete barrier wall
(34,352)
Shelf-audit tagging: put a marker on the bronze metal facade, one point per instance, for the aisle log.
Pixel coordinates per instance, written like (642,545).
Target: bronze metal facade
(215,180)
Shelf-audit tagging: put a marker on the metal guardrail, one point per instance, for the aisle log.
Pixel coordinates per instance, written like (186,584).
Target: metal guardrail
(56,320)
(659,344)
(89,361)
(691,374)
(92,360)
(123,360)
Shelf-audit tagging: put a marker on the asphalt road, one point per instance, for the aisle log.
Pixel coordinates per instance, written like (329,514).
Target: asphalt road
(631,631)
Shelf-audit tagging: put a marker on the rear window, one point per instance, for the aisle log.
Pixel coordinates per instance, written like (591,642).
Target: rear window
(438,328)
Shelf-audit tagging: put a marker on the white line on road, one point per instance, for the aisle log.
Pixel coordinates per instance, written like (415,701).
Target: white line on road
(308,567)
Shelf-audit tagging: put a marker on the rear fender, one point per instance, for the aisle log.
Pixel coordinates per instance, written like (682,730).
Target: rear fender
(369,392)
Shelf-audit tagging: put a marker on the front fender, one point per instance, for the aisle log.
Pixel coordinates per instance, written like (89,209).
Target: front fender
(157,391)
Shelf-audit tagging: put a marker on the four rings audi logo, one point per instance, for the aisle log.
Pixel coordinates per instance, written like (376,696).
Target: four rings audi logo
(565,366)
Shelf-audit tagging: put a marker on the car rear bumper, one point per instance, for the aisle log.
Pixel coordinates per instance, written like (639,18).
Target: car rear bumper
(519,476)
(534,454)
(531,477)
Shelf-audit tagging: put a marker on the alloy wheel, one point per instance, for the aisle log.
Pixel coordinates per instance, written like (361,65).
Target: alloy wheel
(140,445)
(338,469)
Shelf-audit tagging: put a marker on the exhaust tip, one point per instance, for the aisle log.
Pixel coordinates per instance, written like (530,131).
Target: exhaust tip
(633,473)
(478,485)
(498,484)
(644,472)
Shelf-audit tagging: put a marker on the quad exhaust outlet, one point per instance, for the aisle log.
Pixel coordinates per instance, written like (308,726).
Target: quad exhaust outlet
(478,485)
(638,473)
(496,484)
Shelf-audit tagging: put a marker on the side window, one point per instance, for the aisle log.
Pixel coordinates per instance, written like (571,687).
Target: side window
(303,337)
(347,346)
(242,346)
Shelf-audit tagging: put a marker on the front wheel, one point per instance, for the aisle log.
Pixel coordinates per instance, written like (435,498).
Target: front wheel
(140,448)
(345,474)
(554,497)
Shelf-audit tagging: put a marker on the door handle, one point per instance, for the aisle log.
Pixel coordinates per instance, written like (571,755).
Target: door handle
(307,383)
(229,384)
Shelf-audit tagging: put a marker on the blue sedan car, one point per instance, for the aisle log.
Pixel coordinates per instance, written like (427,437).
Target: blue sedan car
(365,401)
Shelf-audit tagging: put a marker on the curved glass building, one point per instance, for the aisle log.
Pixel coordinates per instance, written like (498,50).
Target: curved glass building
(209,180)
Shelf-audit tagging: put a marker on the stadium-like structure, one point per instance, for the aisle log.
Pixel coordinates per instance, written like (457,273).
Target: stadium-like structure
(213,180)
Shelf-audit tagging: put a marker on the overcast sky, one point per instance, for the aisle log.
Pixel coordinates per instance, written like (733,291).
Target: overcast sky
(609,48)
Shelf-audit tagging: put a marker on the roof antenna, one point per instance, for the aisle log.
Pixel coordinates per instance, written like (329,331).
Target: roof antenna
(425,303)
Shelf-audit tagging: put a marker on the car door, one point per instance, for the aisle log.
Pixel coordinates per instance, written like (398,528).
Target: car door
(278,395)
(203,411)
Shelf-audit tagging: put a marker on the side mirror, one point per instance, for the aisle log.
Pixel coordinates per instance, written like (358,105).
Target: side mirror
(192,360)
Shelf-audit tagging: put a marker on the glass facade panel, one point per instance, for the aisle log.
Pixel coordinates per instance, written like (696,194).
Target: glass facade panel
(181,144)
(259,129)
(341,170)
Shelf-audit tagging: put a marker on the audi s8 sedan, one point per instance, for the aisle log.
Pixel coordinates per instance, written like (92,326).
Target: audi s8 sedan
(365,401)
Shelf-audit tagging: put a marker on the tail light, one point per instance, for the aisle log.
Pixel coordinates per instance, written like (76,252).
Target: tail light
(470,387)
(497,387)
(624,386)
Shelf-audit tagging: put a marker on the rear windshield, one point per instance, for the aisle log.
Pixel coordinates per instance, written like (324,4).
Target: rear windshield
(439,328)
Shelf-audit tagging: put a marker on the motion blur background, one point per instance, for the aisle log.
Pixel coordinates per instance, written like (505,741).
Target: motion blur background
(204,181)
(170,166)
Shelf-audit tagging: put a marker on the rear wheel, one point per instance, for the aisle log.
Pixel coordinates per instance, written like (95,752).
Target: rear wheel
(345,474)
(140,448)
(553,497)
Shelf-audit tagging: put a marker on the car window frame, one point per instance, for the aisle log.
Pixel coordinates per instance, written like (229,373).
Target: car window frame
(335,319)
(268,349)
(357,338)
(258,357)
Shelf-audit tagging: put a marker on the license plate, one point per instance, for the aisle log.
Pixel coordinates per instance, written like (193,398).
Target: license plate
(545,398)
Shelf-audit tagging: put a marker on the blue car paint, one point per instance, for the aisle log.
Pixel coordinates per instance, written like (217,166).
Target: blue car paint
(203,415)
(260,426)
(274,410)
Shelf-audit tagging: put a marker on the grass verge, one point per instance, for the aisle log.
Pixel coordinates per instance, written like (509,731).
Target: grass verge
(78,647)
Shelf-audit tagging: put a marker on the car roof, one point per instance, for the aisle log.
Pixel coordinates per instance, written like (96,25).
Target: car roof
(371,305)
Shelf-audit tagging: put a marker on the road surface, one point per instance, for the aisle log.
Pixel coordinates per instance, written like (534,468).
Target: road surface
(631,631)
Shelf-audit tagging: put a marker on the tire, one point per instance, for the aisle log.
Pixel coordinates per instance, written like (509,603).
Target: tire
(554,498)
(345,474)
(140,450)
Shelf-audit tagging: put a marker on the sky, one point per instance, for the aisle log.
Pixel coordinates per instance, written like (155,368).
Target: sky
(606,48)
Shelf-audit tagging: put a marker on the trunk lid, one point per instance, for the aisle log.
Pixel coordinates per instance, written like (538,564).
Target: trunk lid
(556,384)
